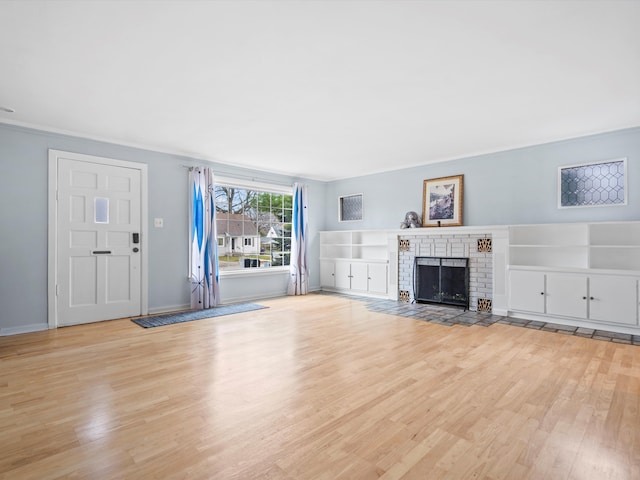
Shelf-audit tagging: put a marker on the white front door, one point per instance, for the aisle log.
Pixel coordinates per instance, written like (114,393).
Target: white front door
(98,239)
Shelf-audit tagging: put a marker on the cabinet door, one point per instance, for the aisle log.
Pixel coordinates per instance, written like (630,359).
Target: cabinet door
(613,299)
(343,275)
(359,280)
(567,295)
(526,291)
(378,278)
(327,274)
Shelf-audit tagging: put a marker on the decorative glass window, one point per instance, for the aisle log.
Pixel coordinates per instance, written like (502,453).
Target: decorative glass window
(253,223)
(350,208)
(593,184)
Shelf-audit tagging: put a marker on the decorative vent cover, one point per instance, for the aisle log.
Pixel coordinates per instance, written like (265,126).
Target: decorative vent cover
(484,245)
(405,245)
(404,295)
(484,305)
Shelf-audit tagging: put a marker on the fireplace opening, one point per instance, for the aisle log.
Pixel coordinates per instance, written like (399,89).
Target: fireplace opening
(441,280)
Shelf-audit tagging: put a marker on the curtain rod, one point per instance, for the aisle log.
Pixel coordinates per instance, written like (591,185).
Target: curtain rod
(240,177)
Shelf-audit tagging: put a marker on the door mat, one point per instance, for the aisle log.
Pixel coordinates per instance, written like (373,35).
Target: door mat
(169,319)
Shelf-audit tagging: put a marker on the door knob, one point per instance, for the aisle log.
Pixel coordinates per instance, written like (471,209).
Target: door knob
(136,249)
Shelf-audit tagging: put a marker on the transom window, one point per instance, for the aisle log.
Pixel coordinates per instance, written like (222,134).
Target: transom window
(253,225)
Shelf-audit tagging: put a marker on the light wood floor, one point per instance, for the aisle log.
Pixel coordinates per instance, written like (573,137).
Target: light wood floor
(316,387)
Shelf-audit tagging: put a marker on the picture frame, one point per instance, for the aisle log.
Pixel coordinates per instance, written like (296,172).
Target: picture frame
(442,200)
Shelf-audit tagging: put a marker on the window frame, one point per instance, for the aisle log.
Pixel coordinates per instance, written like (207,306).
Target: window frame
(261,187)
(588,164)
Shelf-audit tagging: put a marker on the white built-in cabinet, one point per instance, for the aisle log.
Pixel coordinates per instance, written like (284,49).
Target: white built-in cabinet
(355,261)
(582,272)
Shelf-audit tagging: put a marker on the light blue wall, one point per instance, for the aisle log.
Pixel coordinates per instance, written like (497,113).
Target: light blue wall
(23,225)
(511,187)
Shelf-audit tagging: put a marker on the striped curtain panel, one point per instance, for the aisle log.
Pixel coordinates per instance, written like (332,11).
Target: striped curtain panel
(299,278)
(205,286)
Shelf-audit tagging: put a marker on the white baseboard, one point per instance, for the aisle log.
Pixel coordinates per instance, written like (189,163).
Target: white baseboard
(225,301)
(257,298)
(169,309)
(35,327)
(252,298)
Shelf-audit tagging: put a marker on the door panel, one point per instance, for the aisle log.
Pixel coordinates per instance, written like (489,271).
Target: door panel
(378,278)
(98,210)
(343,275)
(613,299)
(327,274)
(118,279)
(526,291)
(359,277)
(83,290)
(567,295)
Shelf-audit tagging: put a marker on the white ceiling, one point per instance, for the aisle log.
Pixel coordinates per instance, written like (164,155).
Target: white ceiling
(322,89)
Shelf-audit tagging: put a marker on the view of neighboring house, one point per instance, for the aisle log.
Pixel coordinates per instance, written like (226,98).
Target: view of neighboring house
(237,235)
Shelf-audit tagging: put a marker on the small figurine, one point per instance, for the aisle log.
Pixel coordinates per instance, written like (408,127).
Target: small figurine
(411,220)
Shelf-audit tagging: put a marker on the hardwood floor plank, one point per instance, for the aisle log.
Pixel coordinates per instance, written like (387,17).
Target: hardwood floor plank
(317,387)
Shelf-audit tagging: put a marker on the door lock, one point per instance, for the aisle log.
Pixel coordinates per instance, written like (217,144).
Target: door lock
(136,249)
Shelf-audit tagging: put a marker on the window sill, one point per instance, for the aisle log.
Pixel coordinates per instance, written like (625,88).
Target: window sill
(255,272)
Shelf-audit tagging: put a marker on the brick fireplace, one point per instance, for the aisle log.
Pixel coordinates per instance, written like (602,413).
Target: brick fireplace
(476,247)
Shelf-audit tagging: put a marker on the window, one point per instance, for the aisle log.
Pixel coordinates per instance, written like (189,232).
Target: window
(350,208)
(101,210)
(593,184)
(253,225)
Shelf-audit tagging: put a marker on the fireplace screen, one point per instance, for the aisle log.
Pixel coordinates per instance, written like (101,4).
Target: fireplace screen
(441,280)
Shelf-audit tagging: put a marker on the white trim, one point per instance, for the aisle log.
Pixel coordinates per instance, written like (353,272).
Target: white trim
(169,309)
(586,164)
(252,185)
(574,322)
(257,271)
(52,273)
(34,327)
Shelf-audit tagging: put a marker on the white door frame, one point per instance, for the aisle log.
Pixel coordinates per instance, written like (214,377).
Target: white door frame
(54,155)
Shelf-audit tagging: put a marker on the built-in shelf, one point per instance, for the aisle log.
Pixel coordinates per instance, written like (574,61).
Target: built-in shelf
(355,261)
(609,245)
(367,245)
(585,274)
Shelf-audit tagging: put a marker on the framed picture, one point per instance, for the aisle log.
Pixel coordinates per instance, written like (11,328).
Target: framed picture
(442,202)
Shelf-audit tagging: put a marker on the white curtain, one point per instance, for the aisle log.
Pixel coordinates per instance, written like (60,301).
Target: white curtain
(205,287)
(299,278)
